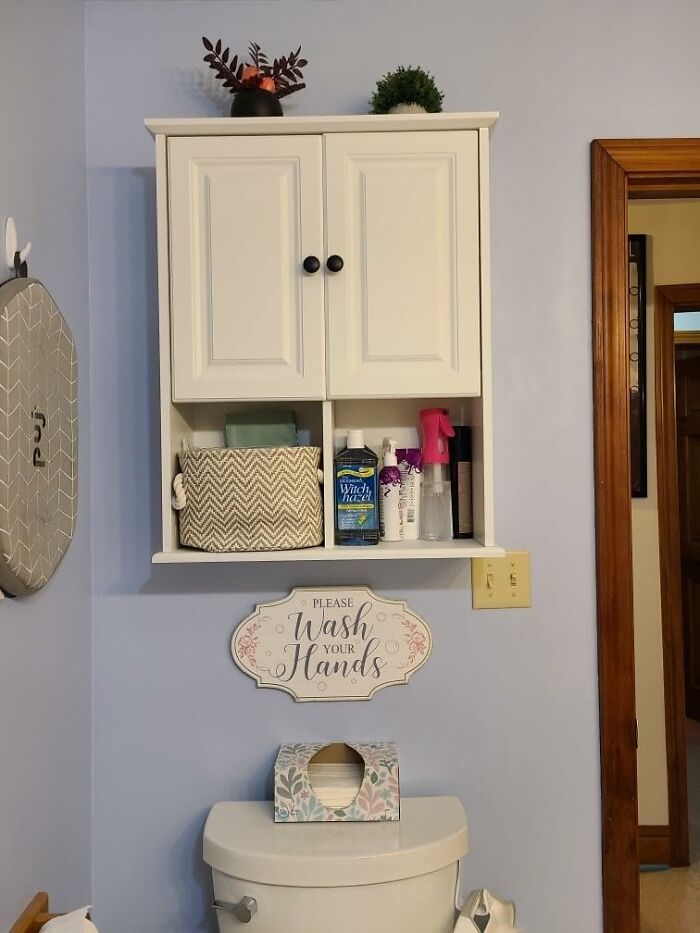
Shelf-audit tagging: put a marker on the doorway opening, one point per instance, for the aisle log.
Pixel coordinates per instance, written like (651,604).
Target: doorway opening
(621,169)
(664,254)
(667,897)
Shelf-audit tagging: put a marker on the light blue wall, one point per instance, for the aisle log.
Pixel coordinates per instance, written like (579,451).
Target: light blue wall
(505,713)
(45,716)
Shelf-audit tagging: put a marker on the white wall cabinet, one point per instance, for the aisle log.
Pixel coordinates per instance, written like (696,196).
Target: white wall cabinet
(338,266)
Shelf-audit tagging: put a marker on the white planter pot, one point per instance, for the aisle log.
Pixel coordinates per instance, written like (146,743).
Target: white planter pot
(407,108)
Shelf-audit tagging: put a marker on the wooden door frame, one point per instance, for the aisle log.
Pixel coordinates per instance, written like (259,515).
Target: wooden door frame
(686,337)
(667,300)
(620,169)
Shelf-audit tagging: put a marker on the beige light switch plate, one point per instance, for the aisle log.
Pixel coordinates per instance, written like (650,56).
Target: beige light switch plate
(501,582)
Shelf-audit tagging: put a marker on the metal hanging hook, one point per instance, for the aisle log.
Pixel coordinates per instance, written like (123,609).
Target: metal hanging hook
(15,258)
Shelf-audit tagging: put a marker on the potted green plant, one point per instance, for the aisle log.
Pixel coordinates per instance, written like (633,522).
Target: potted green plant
(407,90)
(257,85)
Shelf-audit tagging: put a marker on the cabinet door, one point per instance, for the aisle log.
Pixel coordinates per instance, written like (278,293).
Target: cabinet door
(402,211)
(247,322)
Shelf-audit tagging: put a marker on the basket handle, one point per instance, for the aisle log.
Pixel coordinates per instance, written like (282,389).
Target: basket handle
(179,500)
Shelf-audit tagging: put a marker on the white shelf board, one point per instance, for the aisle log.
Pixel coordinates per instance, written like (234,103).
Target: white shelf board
(350,123)
(401,550)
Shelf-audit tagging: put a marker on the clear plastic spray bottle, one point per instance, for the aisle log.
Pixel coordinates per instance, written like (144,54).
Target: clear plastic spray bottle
(436,495)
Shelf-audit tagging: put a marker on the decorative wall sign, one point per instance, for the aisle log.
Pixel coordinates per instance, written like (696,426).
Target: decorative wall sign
(332,643)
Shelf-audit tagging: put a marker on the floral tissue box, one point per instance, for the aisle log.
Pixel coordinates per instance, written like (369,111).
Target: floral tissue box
(353,782)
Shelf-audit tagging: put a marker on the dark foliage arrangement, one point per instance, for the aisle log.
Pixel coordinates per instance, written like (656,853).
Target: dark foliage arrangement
(407,85)
(281,78)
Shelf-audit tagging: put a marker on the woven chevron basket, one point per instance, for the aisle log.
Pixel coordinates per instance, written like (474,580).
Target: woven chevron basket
(250,499)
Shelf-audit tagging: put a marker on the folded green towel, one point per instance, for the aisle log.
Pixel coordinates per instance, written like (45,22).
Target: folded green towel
(262,428)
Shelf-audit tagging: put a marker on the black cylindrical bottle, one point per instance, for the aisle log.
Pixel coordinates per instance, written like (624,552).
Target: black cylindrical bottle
(461,479)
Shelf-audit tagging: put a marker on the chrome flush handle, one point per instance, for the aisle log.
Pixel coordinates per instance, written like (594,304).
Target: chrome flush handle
(244,910)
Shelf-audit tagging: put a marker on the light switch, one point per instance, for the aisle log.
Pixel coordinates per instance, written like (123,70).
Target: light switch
(501,582)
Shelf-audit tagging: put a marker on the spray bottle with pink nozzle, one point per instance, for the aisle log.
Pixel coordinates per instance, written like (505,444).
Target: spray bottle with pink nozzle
(436,495)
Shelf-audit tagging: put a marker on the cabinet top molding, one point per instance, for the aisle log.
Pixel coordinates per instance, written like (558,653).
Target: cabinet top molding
(288,126)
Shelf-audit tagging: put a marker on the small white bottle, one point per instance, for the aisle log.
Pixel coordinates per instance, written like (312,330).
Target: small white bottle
(390,494)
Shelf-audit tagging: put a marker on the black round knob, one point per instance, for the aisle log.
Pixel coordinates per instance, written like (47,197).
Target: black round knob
(311,264)
(335,263)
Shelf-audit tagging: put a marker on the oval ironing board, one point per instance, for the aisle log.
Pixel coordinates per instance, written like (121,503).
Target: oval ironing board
(38,436)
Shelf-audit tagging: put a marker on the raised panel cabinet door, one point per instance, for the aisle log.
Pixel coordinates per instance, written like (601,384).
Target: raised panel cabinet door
(402,212)
(247,320)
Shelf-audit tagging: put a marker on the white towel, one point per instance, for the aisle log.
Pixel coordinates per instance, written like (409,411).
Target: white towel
(483,904)
(75,922)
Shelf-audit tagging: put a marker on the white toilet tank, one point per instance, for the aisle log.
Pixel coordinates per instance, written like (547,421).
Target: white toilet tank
(383,877)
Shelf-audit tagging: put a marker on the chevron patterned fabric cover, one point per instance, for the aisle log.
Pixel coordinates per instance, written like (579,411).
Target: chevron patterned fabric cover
(251,499)
(38,436)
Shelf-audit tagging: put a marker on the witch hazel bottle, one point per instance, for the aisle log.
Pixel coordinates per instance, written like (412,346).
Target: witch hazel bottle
(356,493)
(390,494)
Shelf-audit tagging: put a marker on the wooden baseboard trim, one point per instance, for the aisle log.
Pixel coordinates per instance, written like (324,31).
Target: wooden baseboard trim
(654,845)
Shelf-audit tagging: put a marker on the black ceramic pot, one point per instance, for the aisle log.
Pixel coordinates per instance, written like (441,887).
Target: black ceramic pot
(255,103)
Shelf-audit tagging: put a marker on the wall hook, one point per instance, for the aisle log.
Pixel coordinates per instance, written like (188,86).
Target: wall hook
(15,258)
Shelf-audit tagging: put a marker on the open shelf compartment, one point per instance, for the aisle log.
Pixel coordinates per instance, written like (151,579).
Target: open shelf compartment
(325,424)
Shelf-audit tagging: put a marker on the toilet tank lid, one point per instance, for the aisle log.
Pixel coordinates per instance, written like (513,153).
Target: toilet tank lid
(243,841)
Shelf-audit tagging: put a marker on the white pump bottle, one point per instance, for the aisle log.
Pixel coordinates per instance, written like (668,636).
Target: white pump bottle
(390,494)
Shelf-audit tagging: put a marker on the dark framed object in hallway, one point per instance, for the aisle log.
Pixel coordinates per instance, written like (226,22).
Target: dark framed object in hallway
(637,280)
